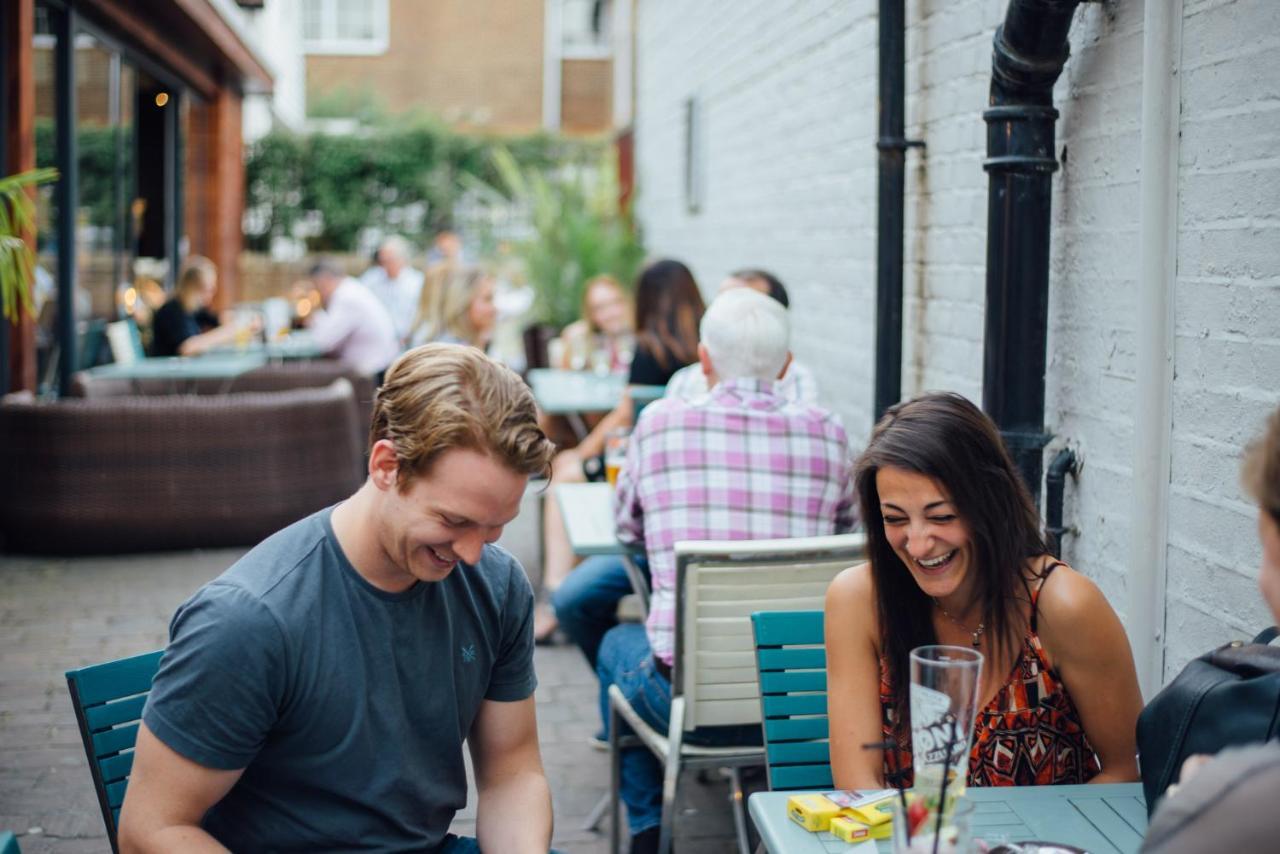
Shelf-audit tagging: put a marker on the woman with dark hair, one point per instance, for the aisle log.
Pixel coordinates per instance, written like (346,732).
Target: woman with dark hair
(956,557)
(669,308)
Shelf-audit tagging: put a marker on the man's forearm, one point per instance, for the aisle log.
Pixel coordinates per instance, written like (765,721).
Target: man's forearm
(185,838)
(515,814)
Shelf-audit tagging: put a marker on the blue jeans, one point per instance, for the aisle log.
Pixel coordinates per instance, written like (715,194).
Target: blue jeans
(464,845)
(626,660)
(586,602)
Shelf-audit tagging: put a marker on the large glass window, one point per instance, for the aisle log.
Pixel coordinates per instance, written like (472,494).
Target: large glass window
(586,29)
(44,70)
(345,26)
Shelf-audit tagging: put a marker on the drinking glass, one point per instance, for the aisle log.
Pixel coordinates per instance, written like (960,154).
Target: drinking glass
(615,453)
(944,703)
(956,835)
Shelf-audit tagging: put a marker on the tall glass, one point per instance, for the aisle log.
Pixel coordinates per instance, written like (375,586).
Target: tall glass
(615,453)
(944,703)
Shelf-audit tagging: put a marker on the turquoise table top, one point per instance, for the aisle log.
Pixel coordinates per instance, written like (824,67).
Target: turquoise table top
(209,366)
(561,392)
(1102,819)
(587,509)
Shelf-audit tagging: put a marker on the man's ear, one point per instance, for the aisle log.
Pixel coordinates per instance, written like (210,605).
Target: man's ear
(384,465)
(785,366)
(704,359)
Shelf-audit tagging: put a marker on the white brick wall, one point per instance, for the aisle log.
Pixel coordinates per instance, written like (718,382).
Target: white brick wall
(788,92)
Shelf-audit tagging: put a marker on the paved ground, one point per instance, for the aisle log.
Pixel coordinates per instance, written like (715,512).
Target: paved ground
(61,613)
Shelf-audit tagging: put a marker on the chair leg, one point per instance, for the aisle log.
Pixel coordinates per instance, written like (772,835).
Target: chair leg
(736,799)
(671,775)
(615,776)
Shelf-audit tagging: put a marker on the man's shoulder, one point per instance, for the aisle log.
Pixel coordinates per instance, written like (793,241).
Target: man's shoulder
(276,563)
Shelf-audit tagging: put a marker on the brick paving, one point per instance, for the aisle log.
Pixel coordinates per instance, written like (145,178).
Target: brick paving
(59,613)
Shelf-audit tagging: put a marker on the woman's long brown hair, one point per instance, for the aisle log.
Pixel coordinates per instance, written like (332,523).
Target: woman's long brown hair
(669,308)
(945,437)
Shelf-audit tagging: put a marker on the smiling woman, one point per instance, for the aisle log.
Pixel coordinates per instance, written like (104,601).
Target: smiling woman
(957,557)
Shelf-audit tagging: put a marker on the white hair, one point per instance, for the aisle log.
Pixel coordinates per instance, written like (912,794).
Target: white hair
(746,335)
(397,245)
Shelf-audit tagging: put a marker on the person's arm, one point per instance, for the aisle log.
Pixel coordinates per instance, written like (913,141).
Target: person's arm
(1087,646)
(513,810)
(167,797)
(853,680)
(621,416)
(215,337)
(331,327)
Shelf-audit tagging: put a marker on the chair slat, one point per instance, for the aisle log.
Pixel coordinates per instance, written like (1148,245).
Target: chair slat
(117,767)
(793,681)
(115,740)
(722,675)
(794,704)
(101,682)
(796,728)
(793,659)
(112,714)
(793,629)
(786,777)
(730,691)
(799,753)
(115,792)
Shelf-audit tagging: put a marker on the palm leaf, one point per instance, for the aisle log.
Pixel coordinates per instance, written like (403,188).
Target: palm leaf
(18,219)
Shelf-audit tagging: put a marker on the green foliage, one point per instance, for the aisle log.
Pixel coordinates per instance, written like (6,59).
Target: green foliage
(98,147)
(370,179)
(17,217)
(579,229)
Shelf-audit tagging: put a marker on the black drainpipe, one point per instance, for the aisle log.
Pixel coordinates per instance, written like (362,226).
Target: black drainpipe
(1064,463)
(892,145)
(1030,51)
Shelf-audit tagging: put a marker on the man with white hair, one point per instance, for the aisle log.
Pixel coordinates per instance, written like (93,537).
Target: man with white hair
(741,462)
(395,283)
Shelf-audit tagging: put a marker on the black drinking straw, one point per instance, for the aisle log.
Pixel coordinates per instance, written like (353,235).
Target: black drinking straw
(897,781)
(946,774)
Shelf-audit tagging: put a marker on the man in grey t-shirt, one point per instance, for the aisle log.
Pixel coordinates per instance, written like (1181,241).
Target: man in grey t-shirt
(317,694)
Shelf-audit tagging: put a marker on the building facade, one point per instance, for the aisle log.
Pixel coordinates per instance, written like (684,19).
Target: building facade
(756,126)
(501,66)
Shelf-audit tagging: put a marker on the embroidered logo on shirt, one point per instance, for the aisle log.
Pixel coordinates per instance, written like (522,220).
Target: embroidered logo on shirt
(469,653)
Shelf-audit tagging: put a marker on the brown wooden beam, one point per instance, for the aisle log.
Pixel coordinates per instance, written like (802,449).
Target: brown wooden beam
(143,31)
(215,189)
(20,149)
(226,40)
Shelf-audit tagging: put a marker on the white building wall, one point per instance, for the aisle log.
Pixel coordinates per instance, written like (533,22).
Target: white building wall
(788,93)
(275,32)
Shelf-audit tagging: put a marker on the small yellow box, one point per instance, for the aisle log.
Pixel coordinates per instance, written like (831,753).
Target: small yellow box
(812,812)
(850,829)
(874,814)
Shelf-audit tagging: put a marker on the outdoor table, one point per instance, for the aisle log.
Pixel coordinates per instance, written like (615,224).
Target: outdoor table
(225,366)
(1107,818)
(297,345)
(573,393)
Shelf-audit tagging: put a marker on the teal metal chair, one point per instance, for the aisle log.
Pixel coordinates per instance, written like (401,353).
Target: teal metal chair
(108,700)
(792,666)
(8,843)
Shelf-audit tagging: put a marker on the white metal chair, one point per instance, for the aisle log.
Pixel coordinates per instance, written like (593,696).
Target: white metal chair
(713,680)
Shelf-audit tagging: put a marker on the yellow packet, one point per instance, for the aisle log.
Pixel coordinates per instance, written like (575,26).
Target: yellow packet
(849,829)
(812,812)
(874,814)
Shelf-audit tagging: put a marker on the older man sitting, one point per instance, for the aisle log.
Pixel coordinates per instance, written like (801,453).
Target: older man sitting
(741,462)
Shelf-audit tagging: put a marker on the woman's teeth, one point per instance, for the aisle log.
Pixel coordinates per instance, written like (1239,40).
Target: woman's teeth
(934,563)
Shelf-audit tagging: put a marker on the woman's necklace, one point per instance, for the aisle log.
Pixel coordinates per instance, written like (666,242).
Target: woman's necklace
(977,633)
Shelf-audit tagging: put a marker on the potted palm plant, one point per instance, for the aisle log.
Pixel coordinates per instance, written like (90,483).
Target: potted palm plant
(17,219)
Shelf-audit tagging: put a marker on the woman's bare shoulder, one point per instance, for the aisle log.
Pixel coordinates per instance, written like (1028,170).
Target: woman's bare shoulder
(852,596)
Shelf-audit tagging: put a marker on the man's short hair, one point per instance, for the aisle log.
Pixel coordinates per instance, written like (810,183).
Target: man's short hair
(746,335)
(443,396)
(325,268)
(773,283)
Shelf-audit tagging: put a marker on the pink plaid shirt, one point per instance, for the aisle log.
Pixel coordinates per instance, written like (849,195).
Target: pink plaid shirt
(742,463)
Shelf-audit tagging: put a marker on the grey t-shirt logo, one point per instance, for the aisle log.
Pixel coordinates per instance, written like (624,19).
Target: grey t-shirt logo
(469,653)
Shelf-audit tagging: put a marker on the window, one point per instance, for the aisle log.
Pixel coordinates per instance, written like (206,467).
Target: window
(356,27)
(586,29)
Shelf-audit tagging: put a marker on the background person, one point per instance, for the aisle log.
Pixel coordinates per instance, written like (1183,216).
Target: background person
(468,314)
(395,283)
(1227,802)
(606,323)
(353,326)
(316,696)
(184,325)
(751,465)
(956,557)
(668,310)
(797,384)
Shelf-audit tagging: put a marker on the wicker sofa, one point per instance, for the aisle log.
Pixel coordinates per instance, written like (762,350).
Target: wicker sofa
(112,474)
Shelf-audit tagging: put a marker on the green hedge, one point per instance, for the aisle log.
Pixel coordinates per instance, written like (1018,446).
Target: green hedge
(360,180)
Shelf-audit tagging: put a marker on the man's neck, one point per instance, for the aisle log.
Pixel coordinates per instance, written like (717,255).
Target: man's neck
(355,528)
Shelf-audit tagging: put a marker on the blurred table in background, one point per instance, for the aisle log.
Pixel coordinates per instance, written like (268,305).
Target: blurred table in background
(576,393)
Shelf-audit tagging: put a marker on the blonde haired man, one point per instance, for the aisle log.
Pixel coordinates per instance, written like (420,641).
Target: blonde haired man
(317,694)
